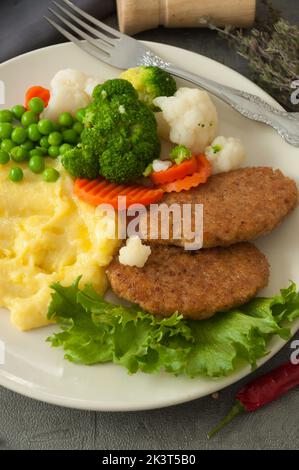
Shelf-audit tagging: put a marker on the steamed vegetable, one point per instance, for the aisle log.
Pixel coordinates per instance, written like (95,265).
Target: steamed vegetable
(6,115)
(180,153)
(25,136)
(37,92)
(225,154)
(37,164)
(4,157)
(95,331)
(120,136)
(201,175)
(36,105)
(134,253)
(100,191)
(16,174)
(161,165)
(81,162)
(191,116)
(175,172)
(150,82)
(18,110)
(68,93)
(50,175)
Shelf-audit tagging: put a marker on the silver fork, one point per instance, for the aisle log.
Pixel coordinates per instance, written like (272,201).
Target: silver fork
(121,51)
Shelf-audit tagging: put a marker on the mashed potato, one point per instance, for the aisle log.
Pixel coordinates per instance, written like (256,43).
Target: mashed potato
(46,236)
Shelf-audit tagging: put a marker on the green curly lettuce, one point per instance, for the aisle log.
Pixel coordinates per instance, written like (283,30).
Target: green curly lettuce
(95,331)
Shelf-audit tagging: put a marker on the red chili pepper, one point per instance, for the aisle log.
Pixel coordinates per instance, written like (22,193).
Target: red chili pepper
(262,391)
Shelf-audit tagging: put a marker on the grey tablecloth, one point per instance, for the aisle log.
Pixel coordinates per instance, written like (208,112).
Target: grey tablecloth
(22,28)
(27,424)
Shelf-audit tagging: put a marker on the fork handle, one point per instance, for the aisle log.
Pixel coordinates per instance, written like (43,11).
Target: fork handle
(250,106)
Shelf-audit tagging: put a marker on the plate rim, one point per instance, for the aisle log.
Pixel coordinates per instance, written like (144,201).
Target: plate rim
(24,388)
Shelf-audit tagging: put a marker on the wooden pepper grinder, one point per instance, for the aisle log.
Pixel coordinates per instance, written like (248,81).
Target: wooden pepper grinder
(139,15)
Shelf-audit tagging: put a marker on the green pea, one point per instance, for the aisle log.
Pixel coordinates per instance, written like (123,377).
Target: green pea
(37,152)
(28,118)
(56,126)
(16,174)
(6,115)
(18,111)
(28,145)
(37,164)
(45,126)
(70,136)
(5,130)
(54,151)
(80,115)
(50,175)
(78,127)
(18,154)
(4,157)
(33,133)
(7,145)
(19,135)
(43,151)
(65,148)
(36,105)
(44,142)
(55,138)
(66,120)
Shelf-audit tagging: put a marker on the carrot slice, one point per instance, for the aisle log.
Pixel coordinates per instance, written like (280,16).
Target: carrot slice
(204,166)
(175,172)
(101,191)
(204,170)
(37,92)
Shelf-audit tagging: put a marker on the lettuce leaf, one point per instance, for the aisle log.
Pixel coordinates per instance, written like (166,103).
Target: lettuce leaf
(94,331)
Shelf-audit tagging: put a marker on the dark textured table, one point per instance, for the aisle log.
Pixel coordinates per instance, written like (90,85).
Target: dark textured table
(28,424)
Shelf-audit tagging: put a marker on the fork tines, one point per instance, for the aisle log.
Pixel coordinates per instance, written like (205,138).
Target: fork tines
(99,38)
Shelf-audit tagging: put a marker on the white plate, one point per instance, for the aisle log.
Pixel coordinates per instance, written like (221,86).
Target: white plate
(31,366)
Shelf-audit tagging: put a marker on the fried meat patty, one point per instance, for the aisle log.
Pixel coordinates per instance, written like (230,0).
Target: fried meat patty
(238,206)
(196,284)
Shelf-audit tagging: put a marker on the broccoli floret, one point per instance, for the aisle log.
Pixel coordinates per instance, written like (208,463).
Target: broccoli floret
(125,133)
(120,136)
(112,88)
(180,153)
(150,82)
(148,171)
(80,163)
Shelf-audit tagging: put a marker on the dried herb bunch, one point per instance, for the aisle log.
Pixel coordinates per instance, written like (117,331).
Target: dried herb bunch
(271,48)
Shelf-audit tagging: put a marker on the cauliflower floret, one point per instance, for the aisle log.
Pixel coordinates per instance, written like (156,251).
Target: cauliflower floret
(70,91)
(134,253)
(161,165)
(225,154)
(192,118)
(64,99)
(69,78)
